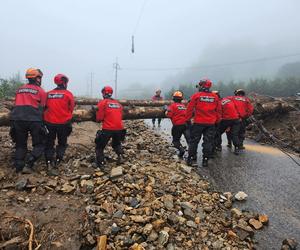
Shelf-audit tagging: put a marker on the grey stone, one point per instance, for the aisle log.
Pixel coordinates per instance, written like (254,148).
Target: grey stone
(116,172)
(188,213)
(163,238)
(119,214)
(21,184)
(191,223)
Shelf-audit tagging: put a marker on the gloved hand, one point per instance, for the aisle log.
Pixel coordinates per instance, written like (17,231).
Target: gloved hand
(165,107)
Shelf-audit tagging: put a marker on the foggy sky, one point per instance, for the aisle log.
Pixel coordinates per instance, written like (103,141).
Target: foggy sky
(77,37)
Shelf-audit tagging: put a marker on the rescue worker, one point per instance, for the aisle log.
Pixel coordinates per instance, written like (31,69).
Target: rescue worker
(229,119)
(58,119)
(176,112)
(204,108)
(27,117)
(110,113)
(245,110)
(157,97)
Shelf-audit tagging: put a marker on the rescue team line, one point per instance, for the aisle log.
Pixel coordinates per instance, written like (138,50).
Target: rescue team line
(48,116)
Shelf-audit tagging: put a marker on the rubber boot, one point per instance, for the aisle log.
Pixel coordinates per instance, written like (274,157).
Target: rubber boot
(58,162)
(205,162)
(192,161)
(52,169)
(28,166)
(236,150)
(181,152)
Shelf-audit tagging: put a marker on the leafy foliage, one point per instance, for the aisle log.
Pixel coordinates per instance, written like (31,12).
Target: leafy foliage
(275,87)
(9,86)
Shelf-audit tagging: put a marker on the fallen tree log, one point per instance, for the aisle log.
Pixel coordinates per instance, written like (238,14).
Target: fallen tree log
(143,103)
(262,110)
(128,114)
(9,103)
(80,115)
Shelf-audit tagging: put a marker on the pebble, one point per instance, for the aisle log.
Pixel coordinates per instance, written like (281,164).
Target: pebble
(240,196)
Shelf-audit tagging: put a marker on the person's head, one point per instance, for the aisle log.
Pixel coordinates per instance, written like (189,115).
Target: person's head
(177,96)
(240,92)
(204,85)
(34,76)
(61,80)
(107,92)
(216,92)
(158,92)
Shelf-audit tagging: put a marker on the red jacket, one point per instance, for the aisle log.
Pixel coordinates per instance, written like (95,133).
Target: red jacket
(229,111)
(59,106)
(30,101)
(243,106)
(176,112)
(110,113)
(205,108)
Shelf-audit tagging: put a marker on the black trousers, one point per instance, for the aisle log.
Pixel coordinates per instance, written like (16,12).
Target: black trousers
(61,133)
(177,132)
(21,129)
(158,121)
(242,131)
(208,132)
(234,126)
(102,139)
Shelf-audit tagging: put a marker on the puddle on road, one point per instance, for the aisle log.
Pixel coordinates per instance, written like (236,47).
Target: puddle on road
(263,149)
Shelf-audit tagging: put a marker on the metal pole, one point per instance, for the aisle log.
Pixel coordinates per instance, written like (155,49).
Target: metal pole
(91,84)
(116,67)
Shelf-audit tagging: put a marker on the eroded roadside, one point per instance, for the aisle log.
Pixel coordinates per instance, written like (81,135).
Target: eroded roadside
(153,201)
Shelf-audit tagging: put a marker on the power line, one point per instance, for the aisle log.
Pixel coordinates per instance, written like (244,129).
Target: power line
(139,18)
(137,25)
(249,61)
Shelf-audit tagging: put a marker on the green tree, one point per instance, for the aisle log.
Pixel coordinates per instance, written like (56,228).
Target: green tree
(9,86)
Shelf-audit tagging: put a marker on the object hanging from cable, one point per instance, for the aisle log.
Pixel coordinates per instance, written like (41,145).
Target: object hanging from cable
(132,44)
(137,25)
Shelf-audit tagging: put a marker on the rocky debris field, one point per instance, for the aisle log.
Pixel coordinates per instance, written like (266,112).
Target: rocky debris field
(152,201)
(284,125)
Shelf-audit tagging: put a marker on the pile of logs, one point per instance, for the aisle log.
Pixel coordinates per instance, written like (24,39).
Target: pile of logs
(146,109)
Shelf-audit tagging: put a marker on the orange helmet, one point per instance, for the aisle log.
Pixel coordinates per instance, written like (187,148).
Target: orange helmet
(33,73)
(178,94)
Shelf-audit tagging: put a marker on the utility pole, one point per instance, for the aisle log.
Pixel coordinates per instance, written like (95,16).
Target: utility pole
(116,67)
(92,75)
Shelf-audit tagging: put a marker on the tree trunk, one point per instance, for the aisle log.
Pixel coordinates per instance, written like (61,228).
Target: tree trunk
(132,110)
(80,115)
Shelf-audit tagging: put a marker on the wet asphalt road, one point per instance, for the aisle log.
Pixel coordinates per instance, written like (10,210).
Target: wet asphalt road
(271,180)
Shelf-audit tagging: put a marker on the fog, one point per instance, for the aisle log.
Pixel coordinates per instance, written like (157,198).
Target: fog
(78,38)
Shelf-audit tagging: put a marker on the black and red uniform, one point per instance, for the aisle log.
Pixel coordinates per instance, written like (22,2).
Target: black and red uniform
(27,117)
(156,98)
(176,112)
(245,110)
(230,118)
(58,119)
(204,106)
(110,113)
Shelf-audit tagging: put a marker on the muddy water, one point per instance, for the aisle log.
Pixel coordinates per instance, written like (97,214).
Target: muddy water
(268,176)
